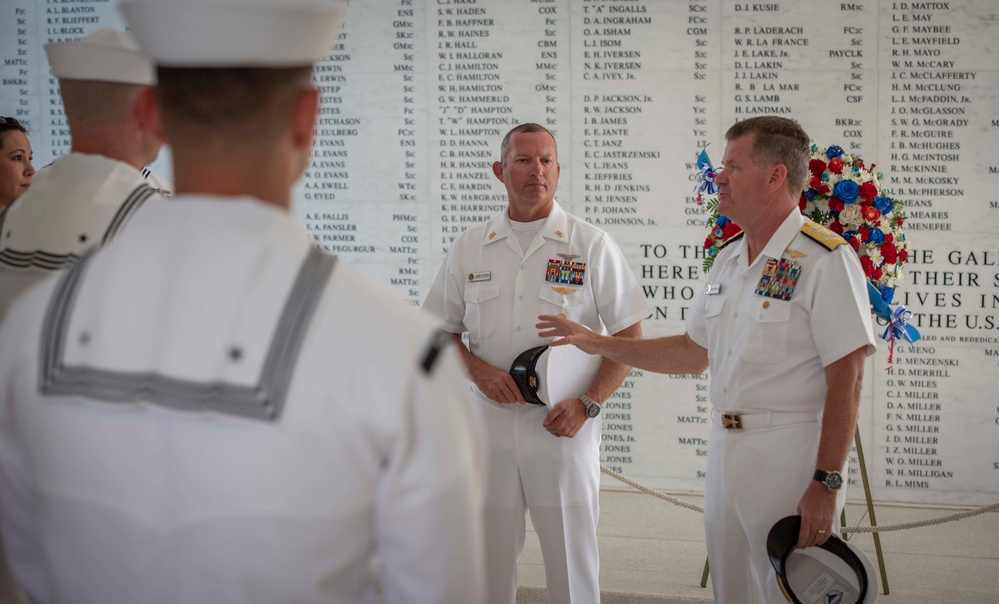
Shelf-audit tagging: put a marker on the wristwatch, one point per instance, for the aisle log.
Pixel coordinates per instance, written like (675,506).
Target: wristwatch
(832,480)
(592,408)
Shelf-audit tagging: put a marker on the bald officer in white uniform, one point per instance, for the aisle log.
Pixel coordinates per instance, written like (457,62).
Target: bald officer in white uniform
(535,258)
(785,325)
(211,410)
(84,198)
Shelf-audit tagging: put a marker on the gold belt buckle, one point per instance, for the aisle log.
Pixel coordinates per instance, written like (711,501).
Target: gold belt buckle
(731,421)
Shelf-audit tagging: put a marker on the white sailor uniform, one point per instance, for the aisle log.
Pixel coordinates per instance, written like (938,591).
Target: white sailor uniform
(490,289)
(770,328)
(210,411)
(77,202)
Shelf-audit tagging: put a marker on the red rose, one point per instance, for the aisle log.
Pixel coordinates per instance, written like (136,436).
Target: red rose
(814,183)
(707,243)
(868,191)
(823,190)
(876,274)
(835,204)
(730,229)
(854,243)
(898,219)
(802,202)
(835,165)
(863,233)
(836,227)
(903,254)
(889,238)
(870,213)
(867,265)
(817,167)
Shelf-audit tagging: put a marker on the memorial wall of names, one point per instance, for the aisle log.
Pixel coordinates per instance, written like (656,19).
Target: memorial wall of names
(417,95)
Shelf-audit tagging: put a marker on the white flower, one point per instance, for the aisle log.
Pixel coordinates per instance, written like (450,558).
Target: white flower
(850,215)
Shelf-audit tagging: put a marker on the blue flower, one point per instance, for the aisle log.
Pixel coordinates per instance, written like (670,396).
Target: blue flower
(887,293)
(883,204)
(722,221)
(848,235)
(811,193)
(712,251)
(846,190)
(876,236)
(834,151)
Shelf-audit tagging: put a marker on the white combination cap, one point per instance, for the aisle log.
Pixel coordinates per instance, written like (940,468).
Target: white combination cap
(234,33)
(107,55)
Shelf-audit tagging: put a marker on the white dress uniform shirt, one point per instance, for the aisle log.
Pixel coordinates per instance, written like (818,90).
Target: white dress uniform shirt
(77,202)
(490,289)
(768,357)
(226,416)
(487,288)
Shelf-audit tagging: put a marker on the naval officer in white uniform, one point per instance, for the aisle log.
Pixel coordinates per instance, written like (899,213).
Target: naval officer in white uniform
(211,410)
(535,258)
(85,197)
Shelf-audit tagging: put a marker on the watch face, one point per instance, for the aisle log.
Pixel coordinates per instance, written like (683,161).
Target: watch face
(834,480)
(592,410)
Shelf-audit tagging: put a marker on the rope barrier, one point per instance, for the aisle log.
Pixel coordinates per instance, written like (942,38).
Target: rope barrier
(854,529)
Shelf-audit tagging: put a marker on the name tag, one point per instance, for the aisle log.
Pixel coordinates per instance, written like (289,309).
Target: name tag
(483,276)
(712,289)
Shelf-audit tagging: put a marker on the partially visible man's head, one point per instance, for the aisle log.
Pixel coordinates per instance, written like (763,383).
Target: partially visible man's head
(528,127)
(777,140)
(106,84)
(16,170)
(245,104)
(235,77)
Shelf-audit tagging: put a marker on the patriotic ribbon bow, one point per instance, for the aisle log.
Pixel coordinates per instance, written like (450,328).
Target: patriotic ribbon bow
(897,319)
(705,176)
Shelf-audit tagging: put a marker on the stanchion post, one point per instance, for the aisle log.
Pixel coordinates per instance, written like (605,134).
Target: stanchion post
(870,511)
(704,577)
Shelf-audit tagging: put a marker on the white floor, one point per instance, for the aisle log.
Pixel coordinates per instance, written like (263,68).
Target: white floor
(652,551)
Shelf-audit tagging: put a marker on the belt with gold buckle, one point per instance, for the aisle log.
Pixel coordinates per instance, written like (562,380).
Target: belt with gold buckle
(731,421)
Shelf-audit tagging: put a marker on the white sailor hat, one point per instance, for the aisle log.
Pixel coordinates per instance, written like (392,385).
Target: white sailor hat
(835,572)
(547,375)
(107,55)
(234,33)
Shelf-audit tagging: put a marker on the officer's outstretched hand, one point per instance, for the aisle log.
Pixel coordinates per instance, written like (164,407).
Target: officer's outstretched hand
(568,332)
(494,382)
(566,418)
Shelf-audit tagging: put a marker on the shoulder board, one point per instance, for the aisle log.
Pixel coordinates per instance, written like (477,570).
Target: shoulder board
(822,235)
(735,237)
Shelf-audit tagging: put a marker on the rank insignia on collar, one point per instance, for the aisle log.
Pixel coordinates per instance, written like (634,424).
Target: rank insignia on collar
(795,253)
(565,291)
(568,257)
(565,271)
(491,235)
(559,235)
(779,279)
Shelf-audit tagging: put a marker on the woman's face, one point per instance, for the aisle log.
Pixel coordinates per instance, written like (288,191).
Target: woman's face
(15,166)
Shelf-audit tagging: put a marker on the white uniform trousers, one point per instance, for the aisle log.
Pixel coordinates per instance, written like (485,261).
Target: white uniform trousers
(756,476)
(558,481)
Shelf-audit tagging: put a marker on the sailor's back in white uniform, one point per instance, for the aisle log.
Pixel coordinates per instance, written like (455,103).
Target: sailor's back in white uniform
(84,198)
(209,409)
(232,419)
